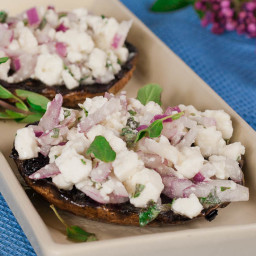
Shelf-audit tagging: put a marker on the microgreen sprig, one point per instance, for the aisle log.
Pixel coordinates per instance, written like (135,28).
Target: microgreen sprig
(22,106)
(75,232)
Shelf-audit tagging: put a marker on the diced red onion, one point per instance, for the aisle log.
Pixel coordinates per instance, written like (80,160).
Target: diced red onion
(116,41)
(198,177)
(157,117)
(141,127)
(16,64)
(45,149)
(61,49)
(169,111)
(62,28)
(94,194)
(51,117)
(101,172)
(108,95)
(50,7)
(45,172)
(33,17)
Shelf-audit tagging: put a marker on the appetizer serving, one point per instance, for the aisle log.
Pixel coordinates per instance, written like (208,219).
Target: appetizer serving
(127,161)
(76,53)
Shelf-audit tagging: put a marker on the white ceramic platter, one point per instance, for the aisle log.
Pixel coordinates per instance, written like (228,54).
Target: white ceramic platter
(233,232)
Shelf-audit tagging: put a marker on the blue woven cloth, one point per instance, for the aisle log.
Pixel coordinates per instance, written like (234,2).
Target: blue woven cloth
(227,63)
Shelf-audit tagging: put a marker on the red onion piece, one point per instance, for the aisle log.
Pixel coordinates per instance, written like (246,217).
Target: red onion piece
(198,177)
(101,172)
(51,117)
(61,49)
(33,17)
(62,28)
(142,127)
(45,172)
(116,41)
(50,7)
(16,64)
(157,117)
(169,111)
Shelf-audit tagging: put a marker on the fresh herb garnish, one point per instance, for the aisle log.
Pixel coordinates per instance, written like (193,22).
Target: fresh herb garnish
(56,132)
(67,113)
(119,62)
(149,214)
(3,16)
(83,162)
(62,14)
(102,150)
(224,188)
(211,199)
(132,123)
(155,129)
(129,136)
(74,232)
(103,16)
(150,92)
(42,23)
(56,156)
(170,5)
(25,22)
(138,189)
(29,111)
(132,112)
(83,108)
(3,59)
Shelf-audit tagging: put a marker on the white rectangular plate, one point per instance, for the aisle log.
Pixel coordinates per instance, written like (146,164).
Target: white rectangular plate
(231,233)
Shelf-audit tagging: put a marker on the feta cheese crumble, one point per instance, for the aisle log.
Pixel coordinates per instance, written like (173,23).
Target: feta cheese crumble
(70,48)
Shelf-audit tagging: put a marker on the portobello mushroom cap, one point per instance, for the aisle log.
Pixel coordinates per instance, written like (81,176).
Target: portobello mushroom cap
(79,204)
(71,98)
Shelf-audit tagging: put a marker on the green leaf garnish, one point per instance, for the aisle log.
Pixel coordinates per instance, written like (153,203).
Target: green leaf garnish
(138,189)
(34,117)
(14,115)
(75,232)
(56,132)
(5,94)
(150,92)
(62,14)
(224,188)
(83,162)
(102,150)
(67,113)
(3,16)
(37,101)
(155,129)
(149,214)
(170,5)
(3,59)
(211,199)
(132,113)
(42,23)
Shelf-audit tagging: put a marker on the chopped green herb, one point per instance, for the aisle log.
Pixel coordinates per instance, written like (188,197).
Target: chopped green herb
(83,78)
(192,114)
(42,23)
(103,16)
(79,118)
(119,62)
(138,189)
(83,108)
(129,136)
(67,113)
(56,132)
(238,158)
(155,129)
(102,150)
(74,232)
(224,188)
(109,65)
(82,160)
(56,156)
(25,22)
(211,199)
(3,16)
(62,14)
(149,214)
(132,123)
(150,92)
(3,59)
(132,113)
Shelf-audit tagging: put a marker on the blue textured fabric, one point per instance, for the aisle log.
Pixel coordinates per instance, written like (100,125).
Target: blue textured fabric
(227,63)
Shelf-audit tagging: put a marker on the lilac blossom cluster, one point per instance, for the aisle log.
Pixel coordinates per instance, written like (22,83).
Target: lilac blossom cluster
(230,15)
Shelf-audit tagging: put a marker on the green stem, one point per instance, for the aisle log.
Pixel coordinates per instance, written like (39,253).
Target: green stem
(58,216)
(6,105)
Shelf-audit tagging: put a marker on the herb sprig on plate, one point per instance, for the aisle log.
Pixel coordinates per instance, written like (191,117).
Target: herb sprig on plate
(22,106)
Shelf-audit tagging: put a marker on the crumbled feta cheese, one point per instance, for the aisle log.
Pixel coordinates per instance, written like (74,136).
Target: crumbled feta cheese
(69,80)
(97,62)
(122,169)
(190,161)
(190,110)
(95,103)
(74,57)
(122,54)
(26,143)
(80,12)
(55,152)
(61,183)
(233,151)
(223,122)
(75,70)
(52,17)
(27,40)
(14,45)
(49,69)
(209,140)
(73,166)
(152,190)
(190,207)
